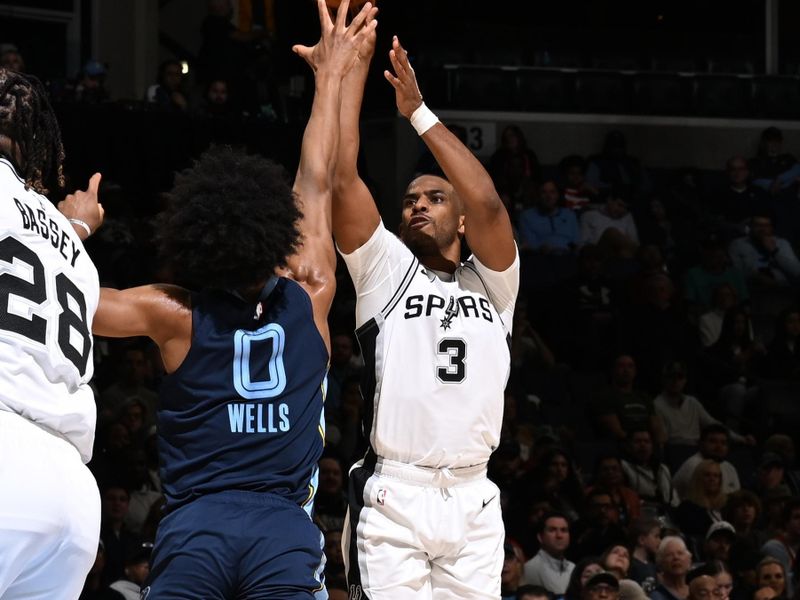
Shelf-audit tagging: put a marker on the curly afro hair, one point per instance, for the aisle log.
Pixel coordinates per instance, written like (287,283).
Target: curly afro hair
(231,220)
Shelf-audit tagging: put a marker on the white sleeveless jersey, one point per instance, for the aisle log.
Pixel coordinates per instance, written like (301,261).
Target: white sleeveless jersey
(49,291)
(436,353)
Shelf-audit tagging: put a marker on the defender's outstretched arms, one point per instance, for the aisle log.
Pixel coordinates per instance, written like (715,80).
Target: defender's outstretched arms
(486,221)
(355,216)
(331,59)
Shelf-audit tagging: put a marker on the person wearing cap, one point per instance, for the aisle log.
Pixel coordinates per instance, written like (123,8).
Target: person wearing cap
(137,568)
(673,560)
(784,546)
(549,568)
(683,415)
(601,586)
(769,473)
(719,539)
(91,88)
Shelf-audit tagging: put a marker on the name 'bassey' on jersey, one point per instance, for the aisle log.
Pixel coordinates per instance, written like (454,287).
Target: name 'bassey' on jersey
(49,290)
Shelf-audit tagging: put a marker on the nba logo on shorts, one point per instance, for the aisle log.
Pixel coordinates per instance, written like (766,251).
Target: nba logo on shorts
(382,496)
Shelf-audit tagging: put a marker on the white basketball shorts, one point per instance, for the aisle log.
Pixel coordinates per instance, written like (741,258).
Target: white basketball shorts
(422,534)
(49,514)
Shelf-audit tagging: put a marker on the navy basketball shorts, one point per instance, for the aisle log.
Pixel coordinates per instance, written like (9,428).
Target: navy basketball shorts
(237,544)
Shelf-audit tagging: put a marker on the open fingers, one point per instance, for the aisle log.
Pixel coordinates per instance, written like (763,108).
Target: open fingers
(363,15)
(402,54)
(392,79)
(370,26)
(341,15)
(398,68)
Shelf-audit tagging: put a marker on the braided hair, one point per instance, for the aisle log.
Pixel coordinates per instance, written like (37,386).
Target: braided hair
(28,119)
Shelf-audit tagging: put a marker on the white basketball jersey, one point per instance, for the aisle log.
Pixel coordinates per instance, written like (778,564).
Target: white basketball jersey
(49,291)
(436,353)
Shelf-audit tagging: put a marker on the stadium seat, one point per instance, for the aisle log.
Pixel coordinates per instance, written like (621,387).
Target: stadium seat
(722,96)
(545,90)
(603,93)
(776,97)
(662,94)
(483,88)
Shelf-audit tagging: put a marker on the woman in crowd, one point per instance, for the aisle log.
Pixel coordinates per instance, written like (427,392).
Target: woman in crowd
(555,479)
(704,500)
(608,475)
(673,560)
(742,510)
(617,560)
(770,573)
(580,575)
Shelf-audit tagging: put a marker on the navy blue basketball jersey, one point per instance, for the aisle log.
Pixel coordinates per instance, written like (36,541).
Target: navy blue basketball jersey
(245,408)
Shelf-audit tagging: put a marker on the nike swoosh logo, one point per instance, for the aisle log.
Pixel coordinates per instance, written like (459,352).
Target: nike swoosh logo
(485,502)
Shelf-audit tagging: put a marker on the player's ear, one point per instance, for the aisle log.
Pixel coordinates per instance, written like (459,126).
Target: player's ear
(461,225)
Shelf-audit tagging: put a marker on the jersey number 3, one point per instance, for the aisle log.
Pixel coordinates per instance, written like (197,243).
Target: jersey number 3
(456,351)
(33,289)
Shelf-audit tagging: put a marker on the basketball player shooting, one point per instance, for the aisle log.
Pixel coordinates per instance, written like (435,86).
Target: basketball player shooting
(424,521)
(240,420)
(49,503)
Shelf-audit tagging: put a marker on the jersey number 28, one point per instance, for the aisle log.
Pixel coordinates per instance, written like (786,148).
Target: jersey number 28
(33,289)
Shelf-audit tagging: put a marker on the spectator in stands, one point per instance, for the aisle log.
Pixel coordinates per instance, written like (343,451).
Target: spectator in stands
(556,481)
(646,536)
(513,159)
(769,473)
(622,407)
(617,560)
(533,592)
(601,585)
(114,534)
(630,590)
(742,510)
(673,560)
(703,500)
(683,416)
(614,167)
(783,353)
(91,85)
(714,270)
(578,194)
(548,228)
(739,199)
(783,446)
(719,539)
(511,575)
(334,561)
(144,490)
(583,571)
(784,546)
(701,586)
(770,572)
(655,227)
(646,474)
(331,500)
(774,170)
(131,383)
(722,577)
(765,259)
(11,58)
(217,100)
(549,568)
(167,93)
(723,299)
(714,446)
(137,568)
(597,527)
(611,227)
(608,475)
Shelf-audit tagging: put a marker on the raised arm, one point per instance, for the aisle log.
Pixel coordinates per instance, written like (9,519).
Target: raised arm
(355,216)
(486,221)
(331,59)
(161,312)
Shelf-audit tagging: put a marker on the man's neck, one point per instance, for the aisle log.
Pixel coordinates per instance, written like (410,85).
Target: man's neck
(554,554)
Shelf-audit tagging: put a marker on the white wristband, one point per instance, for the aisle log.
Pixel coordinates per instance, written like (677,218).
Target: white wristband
(423,119)
(82,224)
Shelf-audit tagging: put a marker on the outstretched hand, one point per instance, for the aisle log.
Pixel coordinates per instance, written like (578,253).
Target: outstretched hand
(84,206)
(404,81)
(338,48)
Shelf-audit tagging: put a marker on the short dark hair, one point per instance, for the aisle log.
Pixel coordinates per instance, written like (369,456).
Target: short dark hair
(28,119)
(552,514)
(712,429)
(231,220)
(532,590)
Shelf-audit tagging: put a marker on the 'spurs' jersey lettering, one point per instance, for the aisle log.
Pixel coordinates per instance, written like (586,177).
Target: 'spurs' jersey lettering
(436,352)
(49,290)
